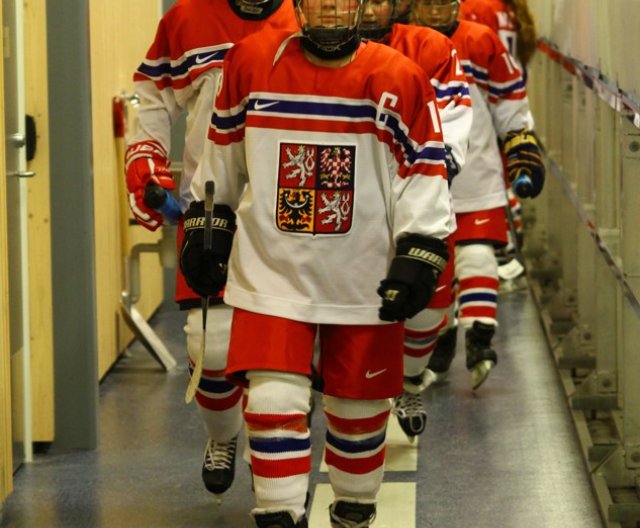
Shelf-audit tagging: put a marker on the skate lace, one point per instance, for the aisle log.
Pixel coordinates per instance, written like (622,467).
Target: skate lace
(409,405)
(219,455)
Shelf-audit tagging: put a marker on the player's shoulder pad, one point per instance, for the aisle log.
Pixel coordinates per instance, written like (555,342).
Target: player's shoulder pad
(395,71)
(480,38)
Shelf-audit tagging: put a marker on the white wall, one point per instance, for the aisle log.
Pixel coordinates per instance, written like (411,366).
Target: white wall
(604,34)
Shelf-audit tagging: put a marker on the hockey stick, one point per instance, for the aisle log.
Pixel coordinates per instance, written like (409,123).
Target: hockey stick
(208,228)
(516,266)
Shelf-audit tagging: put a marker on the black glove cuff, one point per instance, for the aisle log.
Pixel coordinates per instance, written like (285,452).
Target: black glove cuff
(426,250)
(223,223)
(518,140)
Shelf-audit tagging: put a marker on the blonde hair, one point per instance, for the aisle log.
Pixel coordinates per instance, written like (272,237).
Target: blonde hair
(527,34)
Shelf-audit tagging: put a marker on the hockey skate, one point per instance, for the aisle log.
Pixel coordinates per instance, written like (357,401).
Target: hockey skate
(280,519)
(408,407)
(481,358)
(345,514)
(218,468)
(442,356)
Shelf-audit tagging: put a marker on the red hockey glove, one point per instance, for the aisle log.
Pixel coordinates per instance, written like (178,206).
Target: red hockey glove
(412,277)
(525,167)
(146,161)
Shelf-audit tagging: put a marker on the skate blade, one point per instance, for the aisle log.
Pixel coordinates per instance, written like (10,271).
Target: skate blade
(513,285)
(480,373)
(510,270)
(218,499)
(440,377)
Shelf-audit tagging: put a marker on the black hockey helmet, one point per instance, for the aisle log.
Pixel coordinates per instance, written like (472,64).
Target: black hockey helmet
(254,9)
(330,27)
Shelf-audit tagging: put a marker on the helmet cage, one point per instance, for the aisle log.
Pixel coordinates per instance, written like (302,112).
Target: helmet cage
(428,13)
(373,29)
(254,9)
(326,38)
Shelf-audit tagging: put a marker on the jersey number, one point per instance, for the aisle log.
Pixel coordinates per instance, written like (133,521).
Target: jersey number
(434,116)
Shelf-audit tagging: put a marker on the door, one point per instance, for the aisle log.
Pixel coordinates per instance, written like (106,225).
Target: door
(16,182)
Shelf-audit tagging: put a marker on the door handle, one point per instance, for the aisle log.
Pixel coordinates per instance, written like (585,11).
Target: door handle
(22,174)
(17,140)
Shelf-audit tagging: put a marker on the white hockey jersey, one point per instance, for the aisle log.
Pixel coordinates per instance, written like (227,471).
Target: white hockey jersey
(500,105)
(436,55)
(496,15)
(325,169)
(181,68)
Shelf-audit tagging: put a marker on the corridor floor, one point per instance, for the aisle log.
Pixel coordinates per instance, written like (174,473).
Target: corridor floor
(505,456)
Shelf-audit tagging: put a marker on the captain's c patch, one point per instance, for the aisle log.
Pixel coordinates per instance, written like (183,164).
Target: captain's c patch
(315,188)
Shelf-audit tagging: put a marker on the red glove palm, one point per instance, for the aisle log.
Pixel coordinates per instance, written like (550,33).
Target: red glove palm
(146,161)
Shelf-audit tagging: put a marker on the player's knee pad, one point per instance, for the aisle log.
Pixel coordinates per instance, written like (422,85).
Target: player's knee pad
(476,260)
(426,320)
(343,409)
(277,393)
(218,332)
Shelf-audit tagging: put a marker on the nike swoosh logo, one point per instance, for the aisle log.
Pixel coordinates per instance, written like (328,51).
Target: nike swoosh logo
(480,221)
(264,105)
(206,58)
(370,375)
(440,288)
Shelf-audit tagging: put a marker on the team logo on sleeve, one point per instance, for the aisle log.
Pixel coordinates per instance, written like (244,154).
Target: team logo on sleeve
(315,188)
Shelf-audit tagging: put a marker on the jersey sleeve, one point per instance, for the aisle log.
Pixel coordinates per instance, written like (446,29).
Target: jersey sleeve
(153,83)
(507,93)
(480,13)
(224,159)
(454,103)
(419,190)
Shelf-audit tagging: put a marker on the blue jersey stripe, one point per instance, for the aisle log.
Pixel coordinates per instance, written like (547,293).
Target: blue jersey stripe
(313,108)
(432,153)
(318,109)
(452,91)
(475,73)
(198,60)
(225,124)
(512,88)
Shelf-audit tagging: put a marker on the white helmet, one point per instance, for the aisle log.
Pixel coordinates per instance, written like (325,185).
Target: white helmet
(438,14)
(330,26)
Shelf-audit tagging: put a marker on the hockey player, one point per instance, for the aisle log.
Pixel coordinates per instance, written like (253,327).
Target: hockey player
(179,74)
(329,172)
(435,54)
(511,20)
(500,109)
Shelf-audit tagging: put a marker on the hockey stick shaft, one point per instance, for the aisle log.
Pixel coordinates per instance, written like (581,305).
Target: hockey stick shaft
(209,191)
(512,230)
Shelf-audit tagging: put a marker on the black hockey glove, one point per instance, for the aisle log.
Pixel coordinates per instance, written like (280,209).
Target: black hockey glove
(525,167)
(453,168)
(204,271)
(412,277)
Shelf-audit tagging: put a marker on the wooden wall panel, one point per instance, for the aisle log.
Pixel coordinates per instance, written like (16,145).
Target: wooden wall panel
(5,385)
(116,50)
(36,104)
